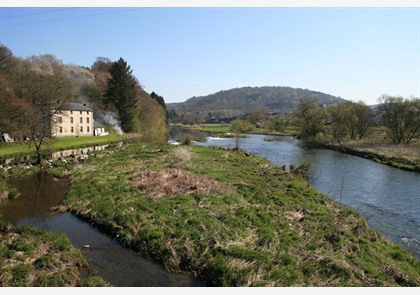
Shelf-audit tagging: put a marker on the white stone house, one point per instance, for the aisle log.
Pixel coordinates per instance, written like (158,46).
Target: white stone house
(98,129)
(74,119)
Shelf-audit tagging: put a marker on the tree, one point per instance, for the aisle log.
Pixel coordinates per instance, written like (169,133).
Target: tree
(12,109)
(238,128)
(257,117)
(365,118)
(40,83)
(354,119)
(6,58)
(122,93)
(153,120)
(279,123)
(310,118)
(100,70)
(401,118)
(338,117)
(159,99)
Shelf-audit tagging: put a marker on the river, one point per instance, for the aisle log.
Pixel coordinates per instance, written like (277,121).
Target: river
(388,198)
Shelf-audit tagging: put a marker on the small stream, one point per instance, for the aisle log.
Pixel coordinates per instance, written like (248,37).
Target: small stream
(122,267)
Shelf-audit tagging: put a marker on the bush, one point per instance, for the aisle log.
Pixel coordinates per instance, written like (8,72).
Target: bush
(187,140)
(182,156)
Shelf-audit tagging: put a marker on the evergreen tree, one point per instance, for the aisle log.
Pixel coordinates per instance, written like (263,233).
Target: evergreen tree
(122,93)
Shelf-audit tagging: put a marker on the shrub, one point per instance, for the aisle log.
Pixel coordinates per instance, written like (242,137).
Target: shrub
(186,140)
(182,156)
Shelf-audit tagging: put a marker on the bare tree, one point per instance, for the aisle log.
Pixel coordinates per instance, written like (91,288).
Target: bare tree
(42,84)
(338,115)
(238,128)
(350,118)
(401,117)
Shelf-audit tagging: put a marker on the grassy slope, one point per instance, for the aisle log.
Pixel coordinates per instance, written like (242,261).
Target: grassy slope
(269,229)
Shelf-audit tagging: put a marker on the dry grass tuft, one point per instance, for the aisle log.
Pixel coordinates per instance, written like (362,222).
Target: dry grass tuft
(294,216)
(182,156)
(173,182)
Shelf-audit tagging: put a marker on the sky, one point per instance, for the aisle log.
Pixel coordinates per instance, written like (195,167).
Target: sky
(357,53)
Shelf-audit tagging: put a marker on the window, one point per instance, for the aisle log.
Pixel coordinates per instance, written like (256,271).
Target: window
(81,120)
(61,129)
(87,120)
(60,120)
(71,120)
(81,129)
(72,129)
(81,112)
(71,112)
(87,129)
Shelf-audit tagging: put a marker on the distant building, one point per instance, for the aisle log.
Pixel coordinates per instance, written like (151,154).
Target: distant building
(98,129)
(74,119)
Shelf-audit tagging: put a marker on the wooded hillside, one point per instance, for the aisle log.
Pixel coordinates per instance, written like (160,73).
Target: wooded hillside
(229,103)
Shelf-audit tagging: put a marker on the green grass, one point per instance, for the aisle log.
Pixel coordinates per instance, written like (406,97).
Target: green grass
(59,143)
(35,258)
(266,228)
(215,128)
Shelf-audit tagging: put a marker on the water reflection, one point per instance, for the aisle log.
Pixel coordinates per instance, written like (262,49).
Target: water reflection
(81,151)
(38,192)
(23,159)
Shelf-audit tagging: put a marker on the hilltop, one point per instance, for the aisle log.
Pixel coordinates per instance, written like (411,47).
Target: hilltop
(230,103)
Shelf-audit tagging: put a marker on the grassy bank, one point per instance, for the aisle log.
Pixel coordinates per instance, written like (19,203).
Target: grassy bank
(233,219)
(60,143)
(394,155)
(34,258)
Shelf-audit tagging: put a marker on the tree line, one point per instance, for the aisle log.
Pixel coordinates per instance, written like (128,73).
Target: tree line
(397,117)
(33,89)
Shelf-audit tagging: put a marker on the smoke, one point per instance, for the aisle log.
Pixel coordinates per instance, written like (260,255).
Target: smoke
(109,119)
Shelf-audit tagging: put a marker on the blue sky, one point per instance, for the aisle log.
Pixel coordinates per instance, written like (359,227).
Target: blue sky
(180,52)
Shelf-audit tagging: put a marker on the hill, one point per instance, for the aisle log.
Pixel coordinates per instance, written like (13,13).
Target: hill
(229,103)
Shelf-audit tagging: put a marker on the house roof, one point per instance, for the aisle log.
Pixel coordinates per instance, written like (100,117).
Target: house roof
(97,125)
(74,106)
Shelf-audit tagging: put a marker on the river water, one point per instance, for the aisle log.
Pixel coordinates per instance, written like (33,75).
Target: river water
(388,198)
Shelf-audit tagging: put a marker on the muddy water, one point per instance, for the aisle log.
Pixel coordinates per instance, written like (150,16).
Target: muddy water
(38,193)
(120,266)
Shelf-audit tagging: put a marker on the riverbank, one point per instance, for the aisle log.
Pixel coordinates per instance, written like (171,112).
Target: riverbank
(11,149)
(397,156)
(35,258)
(233,219)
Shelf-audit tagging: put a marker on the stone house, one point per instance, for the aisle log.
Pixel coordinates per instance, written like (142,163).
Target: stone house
(74,119)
